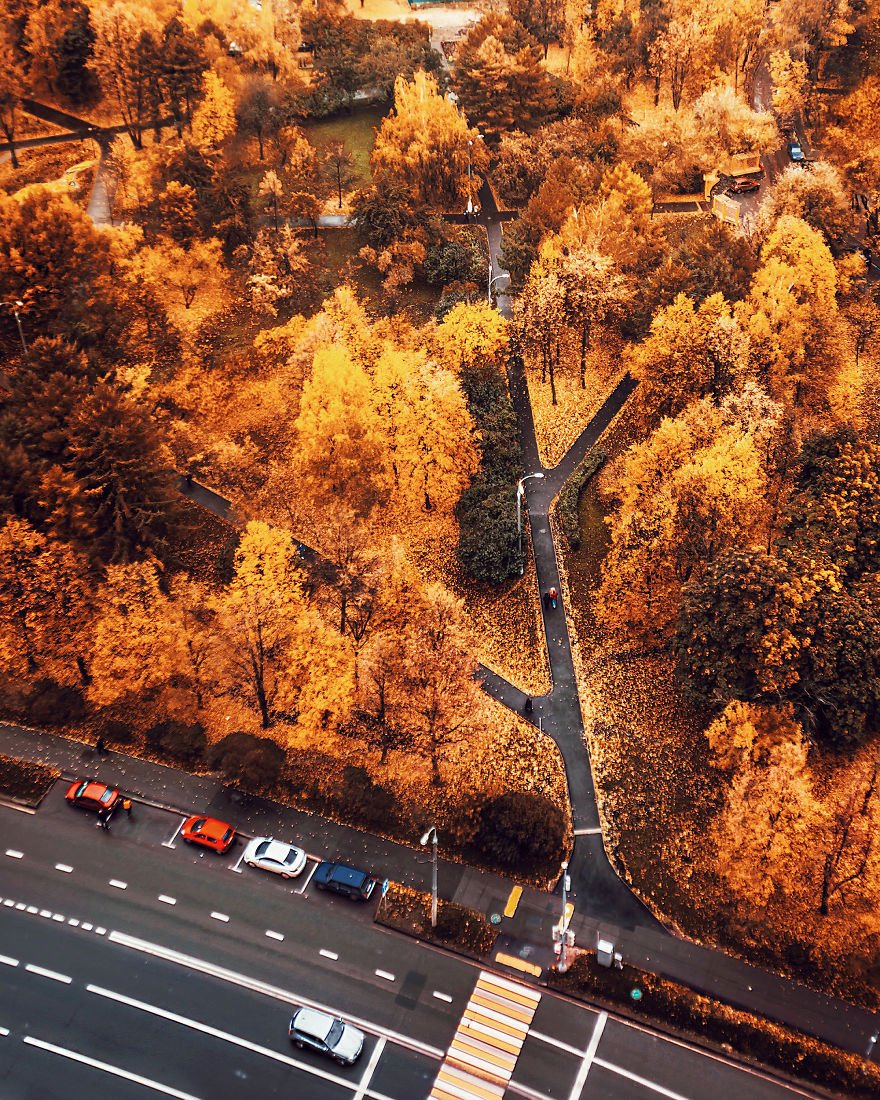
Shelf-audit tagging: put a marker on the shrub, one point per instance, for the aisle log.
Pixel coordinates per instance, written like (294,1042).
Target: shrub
(117,732)
(363,802)
(179,741)
(522,833)
(52,704)
(570,496)
(451,262)
(248,761)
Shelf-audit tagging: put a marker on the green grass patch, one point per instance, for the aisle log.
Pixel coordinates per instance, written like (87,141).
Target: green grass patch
(357,130)
(25,782)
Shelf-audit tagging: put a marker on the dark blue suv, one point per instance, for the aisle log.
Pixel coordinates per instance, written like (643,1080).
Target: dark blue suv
(345,880)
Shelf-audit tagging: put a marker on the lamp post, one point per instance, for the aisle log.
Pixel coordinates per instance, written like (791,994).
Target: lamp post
(563,927)
(430,837)
(520,493)
(16,306)
(470,202)
(872,1042)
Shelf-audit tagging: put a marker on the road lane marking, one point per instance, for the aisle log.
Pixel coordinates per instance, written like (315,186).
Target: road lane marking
(13,854)
(235,1040)
(370,1070)
(237,865)
(486,1046)
(32,909)
(118,884)
(99,931)
(556,1043)
(47,913)
(302,888)
(170,843)
(73,922)
(8,961)
(75,1056)
(442,997)
(220,916)
(44,973)
(384,974)
(59,917)
(4,1031)
(275,992)
(9,902)
(167,900)
(65,867)
(587,832)
(589,1057)
(274,935)
(634,1077)
(86,927)
(513,901)
(328,954)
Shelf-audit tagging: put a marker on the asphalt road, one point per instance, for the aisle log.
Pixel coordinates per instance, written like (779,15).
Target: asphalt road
(135,966)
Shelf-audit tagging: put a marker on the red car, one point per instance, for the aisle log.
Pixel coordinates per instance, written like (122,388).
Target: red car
(208,832)
(742,184)
(89,795)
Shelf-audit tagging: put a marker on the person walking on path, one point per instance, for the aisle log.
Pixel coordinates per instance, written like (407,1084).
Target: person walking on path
(126,805)
(553,596)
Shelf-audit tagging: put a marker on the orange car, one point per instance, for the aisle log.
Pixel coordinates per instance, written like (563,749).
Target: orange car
(89,795)
(208,832)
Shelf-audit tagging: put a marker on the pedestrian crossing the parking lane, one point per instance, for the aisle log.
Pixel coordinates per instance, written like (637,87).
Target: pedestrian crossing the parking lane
(483,1053)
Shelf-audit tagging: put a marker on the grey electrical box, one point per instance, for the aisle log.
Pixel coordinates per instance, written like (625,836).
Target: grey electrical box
(604,952)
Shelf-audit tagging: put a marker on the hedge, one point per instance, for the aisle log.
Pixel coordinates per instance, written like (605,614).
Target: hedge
(567,509)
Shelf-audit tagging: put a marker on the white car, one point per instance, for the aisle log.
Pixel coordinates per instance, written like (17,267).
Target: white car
(326,1034)
(274,855)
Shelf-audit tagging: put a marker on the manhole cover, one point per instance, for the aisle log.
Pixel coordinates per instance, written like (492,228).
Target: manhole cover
(495,918)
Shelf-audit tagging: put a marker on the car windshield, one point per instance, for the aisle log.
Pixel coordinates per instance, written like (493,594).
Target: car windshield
(197,825)
(291,856)
(227,835)
(80,790)
(263,848)
(107,796)
(335,1033)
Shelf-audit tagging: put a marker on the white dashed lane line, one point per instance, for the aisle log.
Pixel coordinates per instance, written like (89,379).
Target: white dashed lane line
(220,916)
(274,935)
(167,900)
(52,974)
(328,954)
(7,961)
(65,867)
(118,884)
(4,1031)
(442,997)
(13,854)
(384,974)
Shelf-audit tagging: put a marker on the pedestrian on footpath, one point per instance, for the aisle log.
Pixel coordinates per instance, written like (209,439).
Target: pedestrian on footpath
(554,596)
(126,805)
(100,747)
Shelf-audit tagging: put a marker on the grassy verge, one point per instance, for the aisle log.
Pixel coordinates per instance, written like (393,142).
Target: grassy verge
(677,1008)
(569,498)
(24,782)
(409,911)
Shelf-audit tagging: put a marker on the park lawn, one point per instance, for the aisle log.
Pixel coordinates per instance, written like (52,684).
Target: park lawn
(357,131)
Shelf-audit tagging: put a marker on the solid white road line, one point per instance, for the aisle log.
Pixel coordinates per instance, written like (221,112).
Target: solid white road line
(384,974)
(170,843)
(167,900)
(556,1043)
(53,974)
(107,1068)
(274,935)
(302,888)
(13,854)
(237,865)
(328,954)
(7,961)
(643,1081)
(221,916)
(587,832)
(370,1070)
(118,884)
(275,992)
(589,1057)
(234,1040)
(442,997)
(65,867)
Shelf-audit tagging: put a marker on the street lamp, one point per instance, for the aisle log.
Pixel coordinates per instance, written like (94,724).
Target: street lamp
(495,279)
(470,203)
(563,926)
(520,493)
(872,1042)
(16,306)
(430,837)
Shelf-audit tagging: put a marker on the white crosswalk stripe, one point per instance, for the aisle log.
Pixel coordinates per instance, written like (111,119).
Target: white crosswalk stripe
(483,1053)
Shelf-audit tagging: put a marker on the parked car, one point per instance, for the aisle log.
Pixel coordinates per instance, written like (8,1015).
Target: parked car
(742,185)
(795,152)
(276,856)
(90,795)
(345,880)
(208,832)
(326,1034)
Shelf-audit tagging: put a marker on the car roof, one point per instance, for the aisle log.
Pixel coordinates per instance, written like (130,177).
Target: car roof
(314,1023)
(95,790)
(343,873)
(277,850)
(212,827)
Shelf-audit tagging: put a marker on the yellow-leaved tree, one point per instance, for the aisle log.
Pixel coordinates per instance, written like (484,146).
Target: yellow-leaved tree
(473,340)
(213,121)
(274,649)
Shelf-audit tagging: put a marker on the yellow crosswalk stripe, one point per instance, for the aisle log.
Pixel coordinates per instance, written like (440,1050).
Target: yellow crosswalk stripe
(484,1050)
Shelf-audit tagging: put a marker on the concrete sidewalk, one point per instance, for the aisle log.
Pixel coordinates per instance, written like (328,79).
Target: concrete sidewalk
(526,935)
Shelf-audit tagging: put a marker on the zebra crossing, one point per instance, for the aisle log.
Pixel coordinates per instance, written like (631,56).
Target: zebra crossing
(484,1050)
